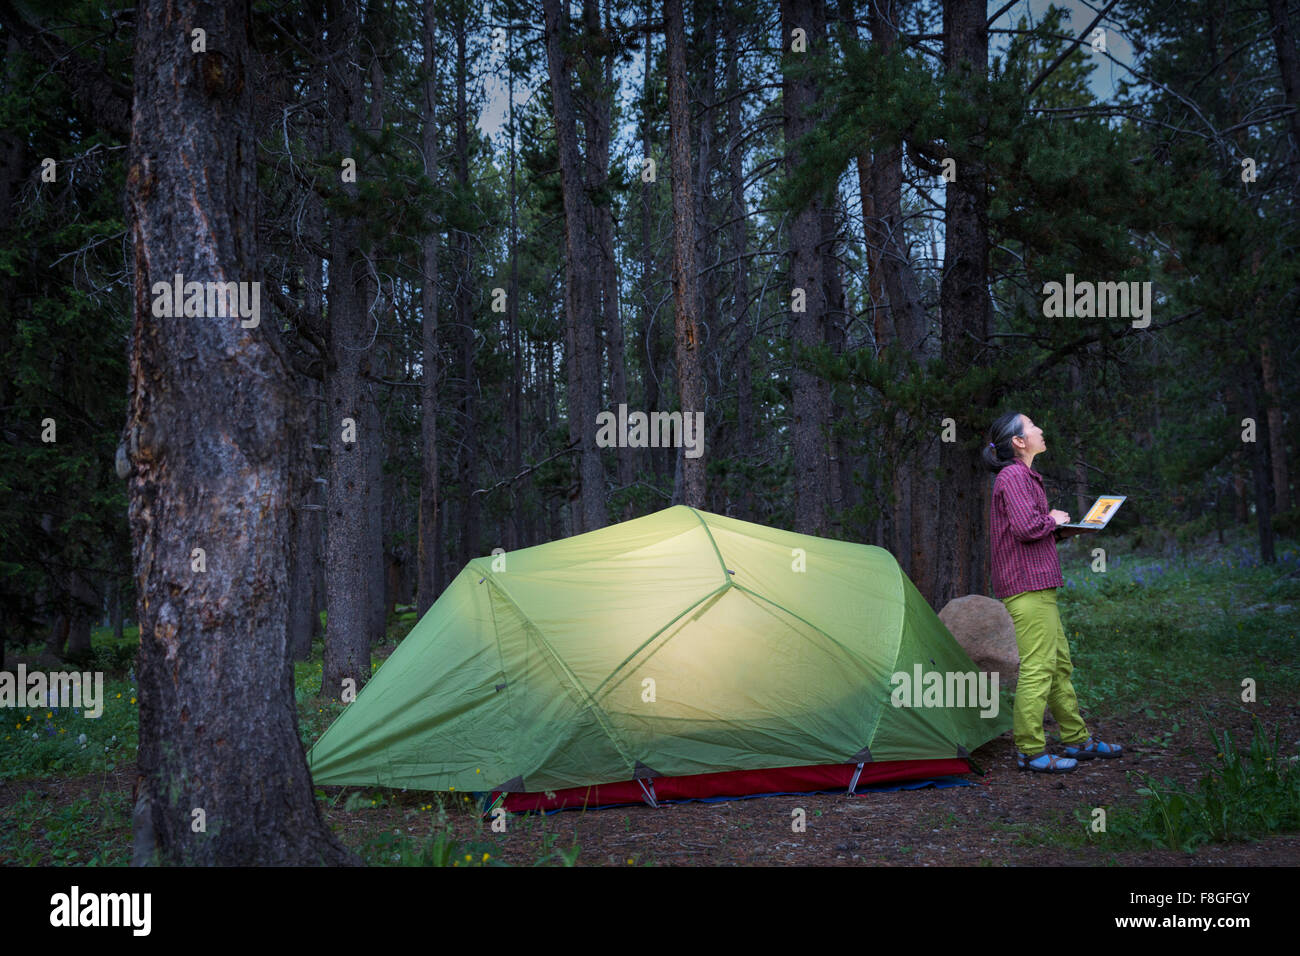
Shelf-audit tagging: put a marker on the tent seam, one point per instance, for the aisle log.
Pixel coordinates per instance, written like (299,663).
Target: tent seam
(847,650)
(902,602)
(602,719)
(501,659)
(659,633)
(722,563)
(871,734)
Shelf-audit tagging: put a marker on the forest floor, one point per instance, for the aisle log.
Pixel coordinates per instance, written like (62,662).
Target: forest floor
(1161,647)
(1006,817)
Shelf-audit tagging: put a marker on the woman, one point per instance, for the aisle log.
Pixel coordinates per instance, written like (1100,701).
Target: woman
(1026,574)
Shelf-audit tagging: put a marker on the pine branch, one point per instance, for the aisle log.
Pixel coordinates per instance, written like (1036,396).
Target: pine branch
(571,447)
(1052,67)
(103,98)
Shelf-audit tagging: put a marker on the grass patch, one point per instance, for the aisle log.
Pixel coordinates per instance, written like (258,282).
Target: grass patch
(43,742)
(1242,795)
(1215,621)
(88,831)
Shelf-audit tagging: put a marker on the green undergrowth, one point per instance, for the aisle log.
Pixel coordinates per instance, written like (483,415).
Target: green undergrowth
(436,829)
(1152,637)
(1150,634)
(91,830)
(44,742)
(394,848)
(1241,795)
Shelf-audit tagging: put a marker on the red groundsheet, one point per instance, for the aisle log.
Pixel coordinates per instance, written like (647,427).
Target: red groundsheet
(737,783)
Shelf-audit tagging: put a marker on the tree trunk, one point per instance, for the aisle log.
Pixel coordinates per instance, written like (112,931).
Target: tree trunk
(429,583)
(740,269)
(304,530)
(843,487)
(685,273)
(223,780)
(964,305)
(58,638)
(310,495)
(376,581)
(810,394)
(1276,433)
(352,424)
(376,557)
(304,508)
(83,609)
(649,330)
(598,91)
(467,461)
(1081,499)
(118,614)
(516,360)
(1289,67)
(900,320)
(1259,455)
(580,300)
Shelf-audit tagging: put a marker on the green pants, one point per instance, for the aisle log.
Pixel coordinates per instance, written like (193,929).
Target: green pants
(1045,670)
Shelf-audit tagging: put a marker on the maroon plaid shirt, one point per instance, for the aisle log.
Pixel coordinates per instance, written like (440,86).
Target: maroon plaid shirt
(1022,534)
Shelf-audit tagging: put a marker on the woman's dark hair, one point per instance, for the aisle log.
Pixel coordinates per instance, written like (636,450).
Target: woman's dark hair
(998,451)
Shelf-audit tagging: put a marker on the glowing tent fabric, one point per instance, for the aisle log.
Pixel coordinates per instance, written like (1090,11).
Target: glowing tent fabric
(680,647)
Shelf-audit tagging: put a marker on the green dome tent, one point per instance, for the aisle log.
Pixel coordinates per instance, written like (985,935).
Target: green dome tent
(682,654)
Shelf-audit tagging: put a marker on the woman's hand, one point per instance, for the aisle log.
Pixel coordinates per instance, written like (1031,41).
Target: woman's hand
(1060,516)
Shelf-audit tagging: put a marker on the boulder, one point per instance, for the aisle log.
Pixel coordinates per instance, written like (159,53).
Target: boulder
(984,629)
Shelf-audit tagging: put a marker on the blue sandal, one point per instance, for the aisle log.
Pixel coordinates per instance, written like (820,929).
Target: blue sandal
(1087,749)
(1046,763)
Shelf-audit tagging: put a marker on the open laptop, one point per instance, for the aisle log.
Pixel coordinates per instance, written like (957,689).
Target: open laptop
(1099,515)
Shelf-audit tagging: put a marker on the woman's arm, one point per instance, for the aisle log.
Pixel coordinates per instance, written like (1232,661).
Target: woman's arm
(1026,521)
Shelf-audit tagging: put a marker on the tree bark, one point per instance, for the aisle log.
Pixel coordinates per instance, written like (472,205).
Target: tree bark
(580,301)
(429,584)
(517,533)
(598,92)
(810,394)
(1289,67)
(208,474)
(685,273)
(964,305)
(1240,508)
(306,596)
(649,344)
(351,414)
(1259,455)
(467,460)
(304,530)
(1081,499)
(380,361)
(900,320)
(118,611)
(1276,432)
(738,236)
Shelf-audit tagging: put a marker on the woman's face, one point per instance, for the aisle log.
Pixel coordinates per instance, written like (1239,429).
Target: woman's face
(1032,443)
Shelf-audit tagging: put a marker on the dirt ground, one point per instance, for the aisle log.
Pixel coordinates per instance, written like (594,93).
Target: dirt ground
(1007,818)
